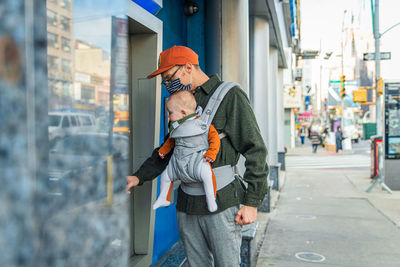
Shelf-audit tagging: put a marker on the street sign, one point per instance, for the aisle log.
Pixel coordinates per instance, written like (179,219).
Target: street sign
(347,82)
(360,96)
(382,56)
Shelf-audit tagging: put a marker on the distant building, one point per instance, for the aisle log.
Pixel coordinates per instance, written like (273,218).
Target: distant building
(91,75)
(60,52)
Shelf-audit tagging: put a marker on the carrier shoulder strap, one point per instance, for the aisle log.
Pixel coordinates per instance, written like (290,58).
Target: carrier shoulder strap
(215,100)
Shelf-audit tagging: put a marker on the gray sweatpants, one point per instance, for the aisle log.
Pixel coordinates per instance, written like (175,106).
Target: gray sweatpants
(211,240)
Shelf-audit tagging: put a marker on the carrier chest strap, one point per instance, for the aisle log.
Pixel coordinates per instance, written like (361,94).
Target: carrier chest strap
(215,100)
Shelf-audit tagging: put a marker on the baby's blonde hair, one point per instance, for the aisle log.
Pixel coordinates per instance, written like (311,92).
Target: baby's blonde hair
(184,99)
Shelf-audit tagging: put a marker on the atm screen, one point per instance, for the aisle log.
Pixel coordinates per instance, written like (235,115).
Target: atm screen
(394,122)
(394,145)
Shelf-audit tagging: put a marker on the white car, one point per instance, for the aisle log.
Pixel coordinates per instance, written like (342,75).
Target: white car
(62,124)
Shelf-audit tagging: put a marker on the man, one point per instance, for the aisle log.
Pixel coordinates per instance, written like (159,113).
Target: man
(315,139)
(213,238)
(339,139)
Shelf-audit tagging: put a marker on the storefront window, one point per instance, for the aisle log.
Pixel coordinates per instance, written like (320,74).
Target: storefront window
(87,93)
(88,221)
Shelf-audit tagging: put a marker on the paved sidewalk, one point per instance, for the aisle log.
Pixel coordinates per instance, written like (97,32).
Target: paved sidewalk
(323,210)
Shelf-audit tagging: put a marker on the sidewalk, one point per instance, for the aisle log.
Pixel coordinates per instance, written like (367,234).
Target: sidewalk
(388,204)
(325,211)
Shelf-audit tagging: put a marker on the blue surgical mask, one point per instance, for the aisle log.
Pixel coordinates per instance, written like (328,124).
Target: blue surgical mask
(176,85)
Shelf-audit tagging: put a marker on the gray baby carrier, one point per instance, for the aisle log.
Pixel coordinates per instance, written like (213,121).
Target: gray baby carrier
(191,143)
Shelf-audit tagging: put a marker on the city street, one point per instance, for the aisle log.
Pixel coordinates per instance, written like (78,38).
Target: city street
(323,215)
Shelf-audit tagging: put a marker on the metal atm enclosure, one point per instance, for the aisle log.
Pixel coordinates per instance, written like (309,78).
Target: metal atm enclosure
(392,134)
(145,44)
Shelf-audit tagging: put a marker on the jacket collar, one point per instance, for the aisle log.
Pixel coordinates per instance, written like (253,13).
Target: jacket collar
(211,84)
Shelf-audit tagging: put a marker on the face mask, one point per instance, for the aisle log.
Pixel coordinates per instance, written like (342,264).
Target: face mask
(176,85)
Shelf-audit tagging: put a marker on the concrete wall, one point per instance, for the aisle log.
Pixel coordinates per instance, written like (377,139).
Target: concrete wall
(272,107)
(259,74)
(235,40)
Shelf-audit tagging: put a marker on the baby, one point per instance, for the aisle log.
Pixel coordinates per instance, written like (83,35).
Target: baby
(194,151)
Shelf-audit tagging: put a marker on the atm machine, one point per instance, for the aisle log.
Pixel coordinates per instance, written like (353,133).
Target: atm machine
(392,134)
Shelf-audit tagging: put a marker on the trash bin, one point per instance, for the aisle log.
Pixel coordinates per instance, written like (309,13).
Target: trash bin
(375,140)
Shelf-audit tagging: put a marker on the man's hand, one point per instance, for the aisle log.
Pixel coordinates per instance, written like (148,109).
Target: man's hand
(161,155)
(246,215)
(131,181)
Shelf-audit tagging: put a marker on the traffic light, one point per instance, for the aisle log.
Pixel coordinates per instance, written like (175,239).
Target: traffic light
(342,86)
(379,86)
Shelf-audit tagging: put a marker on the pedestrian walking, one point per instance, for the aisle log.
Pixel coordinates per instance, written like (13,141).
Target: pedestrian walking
(324,135)
(302,135)
(315,139)
(339,139)
(213,238)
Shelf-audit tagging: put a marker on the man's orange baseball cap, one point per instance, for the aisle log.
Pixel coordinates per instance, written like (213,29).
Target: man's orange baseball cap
(176,55)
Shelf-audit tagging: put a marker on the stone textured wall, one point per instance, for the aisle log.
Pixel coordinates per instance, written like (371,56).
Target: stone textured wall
(17,223)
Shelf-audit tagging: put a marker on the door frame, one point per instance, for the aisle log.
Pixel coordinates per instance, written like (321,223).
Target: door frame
(145,45)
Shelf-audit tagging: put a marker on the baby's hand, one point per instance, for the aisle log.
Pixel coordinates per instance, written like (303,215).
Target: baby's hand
(161,155)
(209,159)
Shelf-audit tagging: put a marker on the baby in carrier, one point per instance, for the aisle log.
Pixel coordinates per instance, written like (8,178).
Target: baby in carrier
(195,148)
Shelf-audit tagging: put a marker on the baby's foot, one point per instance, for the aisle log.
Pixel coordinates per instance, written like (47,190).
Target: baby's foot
(161,203)
(212,204)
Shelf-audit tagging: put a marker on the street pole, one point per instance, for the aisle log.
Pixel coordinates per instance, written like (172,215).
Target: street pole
(379,99)
(378,105)
(342,117)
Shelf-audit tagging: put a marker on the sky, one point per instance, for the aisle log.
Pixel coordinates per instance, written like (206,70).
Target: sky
(321,26)
(321,23)
(92,21)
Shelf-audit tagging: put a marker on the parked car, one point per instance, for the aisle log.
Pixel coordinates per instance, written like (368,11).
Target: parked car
(78,167)
(62,124)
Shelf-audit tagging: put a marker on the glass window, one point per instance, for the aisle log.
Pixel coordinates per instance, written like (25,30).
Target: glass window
(65,44)
(67,88)
(85,190)
(66,65)
(73,121)
(51,18)
(65,122)
(122,123)
(54,120)
(65,4)
(52,40)
(87,92)
(52,63)
(85,120)
(65,23)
